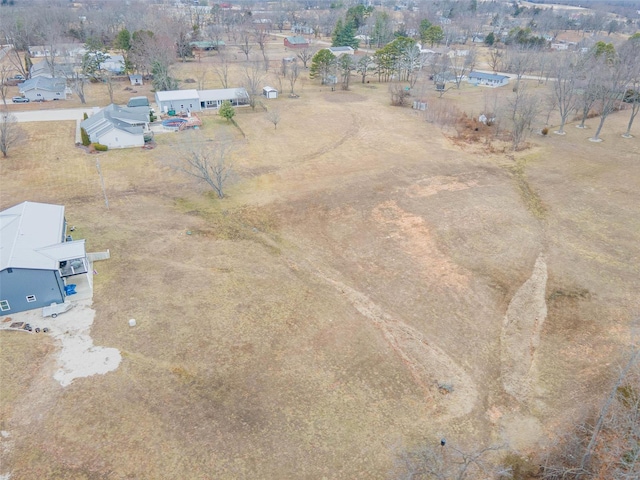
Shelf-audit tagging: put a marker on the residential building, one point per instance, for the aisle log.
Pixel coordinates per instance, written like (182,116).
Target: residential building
(36,257)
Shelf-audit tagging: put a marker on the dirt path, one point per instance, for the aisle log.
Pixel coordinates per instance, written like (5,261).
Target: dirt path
(521,331)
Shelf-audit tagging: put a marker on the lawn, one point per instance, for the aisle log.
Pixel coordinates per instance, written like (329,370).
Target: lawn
(344,301)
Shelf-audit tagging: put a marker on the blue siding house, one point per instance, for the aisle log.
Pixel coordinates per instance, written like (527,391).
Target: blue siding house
(36,257)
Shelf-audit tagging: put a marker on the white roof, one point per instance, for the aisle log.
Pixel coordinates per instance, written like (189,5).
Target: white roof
(175,95)
(222,94)
(31,236)
(269,89)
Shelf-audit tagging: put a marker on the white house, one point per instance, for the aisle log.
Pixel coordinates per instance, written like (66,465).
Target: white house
(118,127)
(487,79)
(135,79)
(39,89)
(178,100)
(197,100)
(559,46)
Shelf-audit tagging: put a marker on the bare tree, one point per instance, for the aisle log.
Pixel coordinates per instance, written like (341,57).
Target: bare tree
(292,74)
(261,35)
(565,88)
(445,462)
(364,66)
(607,447)
(305,55)
(4,87)
(495,58)
(588,94)
(519,61)
(611,87)
(209,162)
(461,66)
(273,116)
(523,108)
(221,67)
(11,134)
(245,43)
(108,79)
(399,94)
(345,63)
(253,77)
(630,56)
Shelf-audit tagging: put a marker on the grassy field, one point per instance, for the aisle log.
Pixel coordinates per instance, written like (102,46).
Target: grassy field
(305,328)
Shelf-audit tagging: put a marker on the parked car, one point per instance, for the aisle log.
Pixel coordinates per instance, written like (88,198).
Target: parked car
(20,100)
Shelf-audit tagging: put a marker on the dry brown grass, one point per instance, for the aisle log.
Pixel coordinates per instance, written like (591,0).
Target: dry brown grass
(250,361)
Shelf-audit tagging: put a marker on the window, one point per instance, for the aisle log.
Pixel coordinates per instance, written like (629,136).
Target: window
(31,298)
(4,305)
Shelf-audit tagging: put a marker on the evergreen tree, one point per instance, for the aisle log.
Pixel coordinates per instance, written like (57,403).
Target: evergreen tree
(227,111)
(322,64)
(344,35)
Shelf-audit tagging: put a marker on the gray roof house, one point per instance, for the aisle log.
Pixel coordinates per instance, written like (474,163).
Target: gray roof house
(113,64)
(136,79)
(487,79)
(339,51)
(197,100)
(118,127)
(43,69)
(36,257)
(44,88)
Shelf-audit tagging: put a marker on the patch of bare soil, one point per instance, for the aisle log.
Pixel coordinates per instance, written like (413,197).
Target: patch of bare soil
(521,332)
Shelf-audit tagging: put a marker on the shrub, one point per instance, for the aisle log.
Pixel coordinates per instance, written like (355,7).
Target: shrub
(544,131)
(85,137)
(85,116)
(100,148)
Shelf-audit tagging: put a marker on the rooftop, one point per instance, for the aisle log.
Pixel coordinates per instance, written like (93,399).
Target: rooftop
(32,236)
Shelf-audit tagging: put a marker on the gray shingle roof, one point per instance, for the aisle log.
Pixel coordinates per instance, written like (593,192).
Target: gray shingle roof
(44,83)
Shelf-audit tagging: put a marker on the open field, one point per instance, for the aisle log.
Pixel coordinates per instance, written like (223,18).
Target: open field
(368,284)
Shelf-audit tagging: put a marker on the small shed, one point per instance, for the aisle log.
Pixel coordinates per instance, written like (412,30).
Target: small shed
(135,79)
(270,92)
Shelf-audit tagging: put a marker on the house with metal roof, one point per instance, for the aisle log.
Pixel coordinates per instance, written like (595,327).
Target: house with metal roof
(487,79)
(40,89)
(197,100)
(118,127)
(339,51)
(238,97)
(36,257)
(296,42)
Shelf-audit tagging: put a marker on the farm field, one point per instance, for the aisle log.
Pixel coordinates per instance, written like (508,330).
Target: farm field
(370,283)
